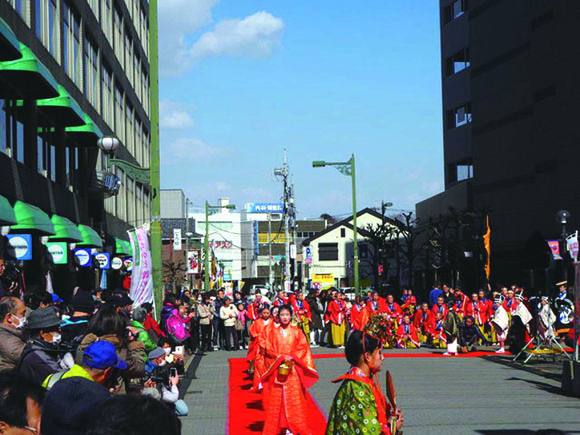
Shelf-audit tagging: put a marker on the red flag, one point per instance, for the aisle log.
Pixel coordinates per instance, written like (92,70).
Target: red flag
(487,244)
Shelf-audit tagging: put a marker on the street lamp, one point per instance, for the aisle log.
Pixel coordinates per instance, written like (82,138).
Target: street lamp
(209,208)
(562,218)
(347,168)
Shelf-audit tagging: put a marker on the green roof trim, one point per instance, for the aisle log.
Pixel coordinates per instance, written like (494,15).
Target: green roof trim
(31,218)
(10,45)
(19,71)
(7,216)
(89,128)
(121,247)
(91,238)
(63,108)
(66,231)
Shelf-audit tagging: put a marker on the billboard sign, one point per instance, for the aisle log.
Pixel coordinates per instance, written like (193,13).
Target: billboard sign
(104,260)
(19,246)
(83,257)
(58,251)
(264,207)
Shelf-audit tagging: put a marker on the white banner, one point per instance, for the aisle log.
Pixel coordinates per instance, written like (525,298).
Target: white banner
(177,239)
(572,245)
(193,262)
(142,277)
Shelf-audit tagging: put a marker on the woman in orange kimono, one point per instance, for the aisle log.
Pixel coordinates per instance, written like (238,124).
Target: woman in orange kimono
(256,329)
(289,371)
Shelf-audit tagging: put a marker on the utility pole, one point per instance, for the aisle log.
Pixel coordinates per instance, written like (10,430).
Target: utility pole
(270,276)
(206,250)
(284,172)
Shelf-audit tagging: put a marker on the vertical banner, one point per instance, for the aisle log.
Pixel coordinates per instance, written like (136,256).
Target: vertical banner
(572,245)
(555,247)
(142,277)
(487,245)
(193,262)
(177,239)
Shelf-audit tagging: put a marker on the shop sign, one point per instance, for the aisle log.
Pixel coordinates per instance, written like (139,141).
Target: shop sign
(19,246)
(128,264)
(116,263)
(58,251)
(83,257)
(253,207)
(104,260)
(192,262)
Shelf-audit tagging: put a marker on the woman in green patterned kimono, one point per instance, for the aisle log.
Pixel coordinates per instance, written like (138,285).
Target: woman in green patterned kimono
(359,406)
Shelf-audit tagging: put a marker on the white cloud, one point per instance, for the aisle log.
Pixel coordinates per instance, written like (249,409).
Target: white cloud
(174,115)
(187,150)
(254,36)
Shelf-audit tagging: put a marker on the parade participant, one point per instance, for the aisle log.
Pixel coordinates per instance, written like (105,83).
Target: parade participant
(336,316)
(423,321)
(440,307)
(376,304)
(563,292)
(359,314)
(410,302)
(437,332)
(407,335)
(451,327)
(302,312)
(500,321)
(286,354)
(470,335)
(511,303)
(547,319)
(281,299)
(461,302)
(447,294)
(256,329)
(478,310)
(393,309)
(519,331)
(359,406)
(487,308)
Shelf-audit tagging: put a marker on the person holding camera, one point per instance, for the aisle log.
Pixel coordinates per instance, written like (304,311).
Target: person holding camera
(162,382)
(229,314)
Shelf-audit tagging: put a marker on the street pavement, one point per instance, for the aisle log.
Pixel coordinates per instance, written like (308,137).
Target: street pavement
(438,395)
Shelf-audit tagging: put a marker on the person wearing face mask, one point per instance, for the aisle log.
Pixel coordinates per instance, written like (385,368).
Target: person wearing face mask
(359,403)
(40,357)
(12,333)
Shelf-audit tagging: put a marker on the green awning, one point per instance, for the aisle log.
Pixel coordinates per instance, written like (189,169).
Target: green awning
(9,45)
(31,218)
(65,230)
(121,247)
(87,134)
(28,76)
(7,216)
(129,248)
(91,238)
(62,111)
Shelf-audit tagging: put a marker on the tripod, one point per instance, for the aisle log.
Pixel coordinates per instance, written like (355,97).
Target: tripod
(548,340)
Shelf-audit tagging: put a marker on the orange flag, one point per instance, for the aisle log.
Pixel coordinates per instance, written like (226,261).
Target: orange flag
(487,244)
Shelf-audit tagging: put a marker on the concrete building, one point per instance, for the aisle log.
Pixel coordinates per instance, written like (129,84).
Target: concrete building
(510,104)
(72,72)
(173,204)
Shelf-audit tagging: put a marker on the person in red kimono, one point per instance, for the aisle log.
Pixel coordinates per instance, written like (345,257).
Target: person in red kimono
(461,302)
(478,310)
(336,311)
(376,304)
(359,315)
(511,303)
(302,312)
(422,321)
(393,309)
(290,370)
(256,329)
(281,299)
(407,335)
(440,307)
(438,336)
(410,302)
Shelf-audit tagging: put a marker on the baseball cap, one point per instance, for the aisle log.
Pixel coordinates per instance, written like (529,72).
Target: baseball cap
(156,353)
(43,318)
(102,355)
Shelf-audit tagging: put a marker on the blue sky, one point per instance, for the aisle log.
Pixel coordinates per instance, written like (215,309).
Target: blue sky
(241,80)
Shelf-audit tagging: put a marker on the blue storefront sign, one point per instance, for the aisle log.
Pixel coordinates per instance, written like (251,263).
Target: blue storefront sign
(83,257)
(103,260)
(19,246)
(264,207)
(256,242)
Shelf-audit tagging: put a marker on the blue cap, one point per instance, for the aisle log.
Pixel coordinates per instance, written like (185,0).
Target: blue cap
(55,298)
(102,355)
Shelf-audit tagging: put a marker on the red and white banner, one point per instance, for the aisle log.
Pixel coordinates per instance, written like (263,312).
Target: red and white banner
(142,276)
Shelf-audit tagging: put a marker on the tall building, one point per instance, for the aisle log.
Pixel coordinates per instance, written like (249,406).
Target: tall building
(72,72)
(511,98)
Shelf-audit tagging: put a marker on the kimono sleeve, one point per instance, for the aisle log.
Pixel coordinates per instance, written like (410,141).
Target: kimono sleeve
(354,411)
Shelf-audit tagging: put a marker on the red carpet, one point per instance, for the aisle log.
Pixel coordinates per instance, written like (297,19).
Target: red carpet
(246,415)
(418,355)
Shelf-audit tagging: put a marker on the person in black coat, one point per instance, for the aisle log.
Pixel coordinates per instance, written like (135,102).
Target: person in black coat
(40,357)
(317,314)
(470,335)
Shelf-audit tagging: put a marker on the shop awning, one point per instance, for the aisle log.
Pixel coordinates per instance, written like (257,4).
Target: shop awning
(28,78)
(87,134)
(122,247)
(7,216)
(31,218)
(91,238)
(61,111)
(9,45)
(66,231)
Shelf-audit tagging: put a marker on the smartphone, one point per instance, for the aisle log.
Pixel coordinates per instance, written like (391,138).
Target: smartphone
(172,372)
(179,350)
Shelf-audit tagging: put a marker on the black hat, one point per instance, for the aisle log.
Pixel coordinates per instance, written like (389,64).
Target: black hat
(42,318)
(120,300)
(70,406)
(83,302)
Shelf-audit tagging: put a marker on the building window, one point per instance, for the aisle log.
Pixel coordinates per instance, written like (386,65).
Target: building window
(455,10)
(107,95)
(107,19)
(458,62)
(343,233)
(11,131)
(23,9)
(48,24)
(459,116)
(71,45)
(460,171)
(92,79)
(118,29)
(119,114)
(328,251)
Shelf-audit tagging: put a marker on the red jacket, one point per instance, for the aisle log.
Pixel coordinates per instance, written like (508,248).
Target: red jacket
(478,310)
(423,320)
(151,323)
(394,310)
(510,307)
(411,301)
(359,316)
(442,309)
(278,302)
(336,312)
(461,302)
(379,308)
(407,331)
(301,308)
